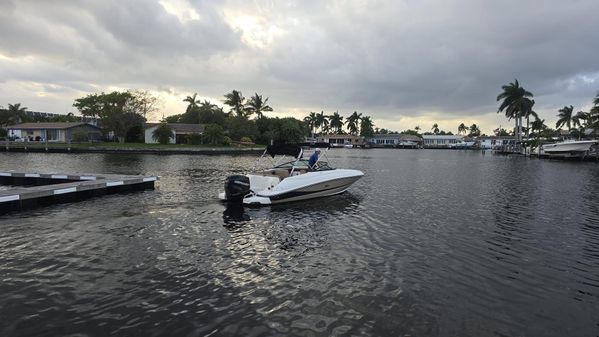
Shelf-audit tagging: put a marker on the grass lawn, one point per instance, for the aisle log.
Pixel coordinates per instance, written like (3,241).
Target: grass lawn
(116,145)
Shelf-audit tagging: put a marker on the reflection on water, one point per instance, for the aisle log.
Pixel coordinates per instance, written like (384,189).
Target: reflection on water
(427,243)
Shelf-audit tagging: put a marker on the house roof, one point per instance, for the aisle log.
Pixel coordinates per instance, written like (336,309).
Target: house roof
(181,128)
(47,126)
(442,137)
(496,137)
(398,136)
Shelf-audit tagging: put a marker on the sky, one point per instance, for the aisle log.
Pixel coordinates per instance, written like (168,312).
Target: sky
(405,63)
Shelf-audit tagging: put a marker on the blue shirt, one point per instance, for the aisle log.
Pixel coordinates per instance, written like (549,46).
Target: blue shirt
(313,159)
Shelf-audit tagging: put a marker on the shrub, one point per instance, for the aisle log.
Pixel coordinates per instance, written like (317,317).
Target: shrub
(246,140)
(163,133)
(194,138)
(214,134)
(80,136)
(226,141)
(3,132)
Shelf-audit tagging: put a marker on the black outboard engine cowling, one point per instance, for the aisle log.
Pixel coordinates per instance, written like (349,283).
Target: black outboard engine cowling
(236,187)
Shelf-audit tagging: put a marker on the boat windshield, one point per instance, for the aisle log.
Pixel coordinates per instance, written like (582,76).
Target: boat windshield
(302,164)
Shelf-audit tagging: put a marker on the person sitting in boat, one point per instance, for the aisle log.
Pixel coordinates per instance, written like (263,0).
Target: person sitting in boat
(314,159)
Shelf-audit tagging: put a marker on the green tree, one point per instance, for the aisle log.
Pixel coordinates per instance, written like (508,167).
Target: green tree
(366,127)
(236,101)
(13,115)
(435,128)
(163,133)
(258,106)
(579,122)
(515,100)
(214,134)
(336,122)
(289,131)
(310,121)
(501,132)
(193,103)
(209,113)
(322,122)
(118,111)
(593,117)
(241,126)
(173,118)
(565,117)
(462,129)
(474,131)
(352,122)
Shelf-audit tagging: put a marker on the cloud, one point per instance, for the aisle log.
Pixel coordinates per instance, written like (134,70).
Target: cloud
(398,61)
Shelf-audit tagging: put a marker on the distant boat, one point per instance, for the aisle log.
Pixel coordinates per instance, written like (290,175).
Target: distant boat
(461,145)
(575,148)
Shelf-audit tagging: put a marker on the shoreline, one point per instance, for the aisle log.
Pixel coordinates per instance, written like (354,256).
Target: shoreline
(64,148)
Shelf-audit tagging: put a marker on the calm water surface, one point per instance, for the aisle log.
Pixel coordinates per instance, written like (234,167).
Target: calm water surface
(428,243)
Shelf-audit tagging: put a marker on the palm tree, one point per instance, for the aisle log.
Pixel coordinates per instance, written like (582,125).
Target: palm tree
(593,117)
(310,120)
(16,113)
(514,103)
(366,127)
(336,122)
(352,122)
(257,105)
(322,122)
(462,129)
(565,117)
(236,101)
(579,121)
(435,128)
(417,128)
(192,102)
(527,112)
(474,131)
(537,126)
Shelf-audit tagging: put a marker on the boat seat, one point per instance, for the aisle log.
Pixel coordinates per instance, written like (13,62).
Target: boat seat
(280,173)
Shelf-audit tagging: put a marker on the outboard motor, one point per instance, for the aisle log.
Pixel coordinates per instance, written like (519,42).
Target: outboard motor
(236,187)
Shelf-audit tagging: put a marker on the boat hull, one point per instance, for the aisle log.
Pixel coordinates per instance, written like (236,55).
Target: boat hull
(569,149)
(306,186)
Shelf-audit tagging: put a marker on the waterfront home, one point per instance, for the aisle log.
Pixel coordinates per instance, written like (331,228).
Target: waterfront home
(180,132)
(341,140)
(54,132)
(441,141)
(490,142)
(394,140)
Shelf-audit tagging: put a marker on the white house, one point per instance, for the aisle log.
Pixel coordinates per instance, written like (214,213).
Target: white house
(394,140)
(490,142)
(340,140)
(441,141)
(180,132)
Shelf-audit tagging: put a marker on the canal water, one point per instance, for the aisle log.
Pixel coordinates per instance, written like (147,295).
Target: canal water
(427,243)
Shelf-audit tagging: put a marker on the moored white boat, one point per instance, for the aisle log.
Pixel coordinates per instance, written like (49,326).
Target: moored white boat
(575,148)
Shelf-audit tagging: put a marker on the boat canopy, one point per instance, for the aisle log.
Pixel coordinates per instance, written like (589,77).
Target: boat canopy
(284,149)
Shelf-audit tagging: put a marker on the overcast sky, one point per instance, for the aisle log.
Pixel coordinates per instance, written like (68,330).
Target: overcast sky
(403,62)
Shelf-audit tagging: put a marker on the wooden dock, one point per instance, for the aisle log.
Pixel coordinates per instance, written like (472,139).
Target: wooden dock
(31,190)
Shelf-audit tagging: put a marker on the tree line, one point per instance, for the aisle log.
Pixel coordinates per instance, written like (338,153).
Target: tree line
(517,103)
(123,116)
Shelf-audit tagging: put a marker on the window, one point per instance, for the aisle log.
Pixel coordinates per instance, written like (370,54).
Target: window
(52,134)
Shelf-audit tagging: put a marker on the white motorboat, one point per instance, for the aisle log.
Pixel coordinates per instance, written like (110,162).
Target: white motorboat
(288,181)
(575,148)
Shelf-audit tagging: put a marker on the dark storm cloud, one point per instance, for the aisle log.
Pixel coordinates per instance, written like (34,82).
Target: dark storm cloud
(387,58)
